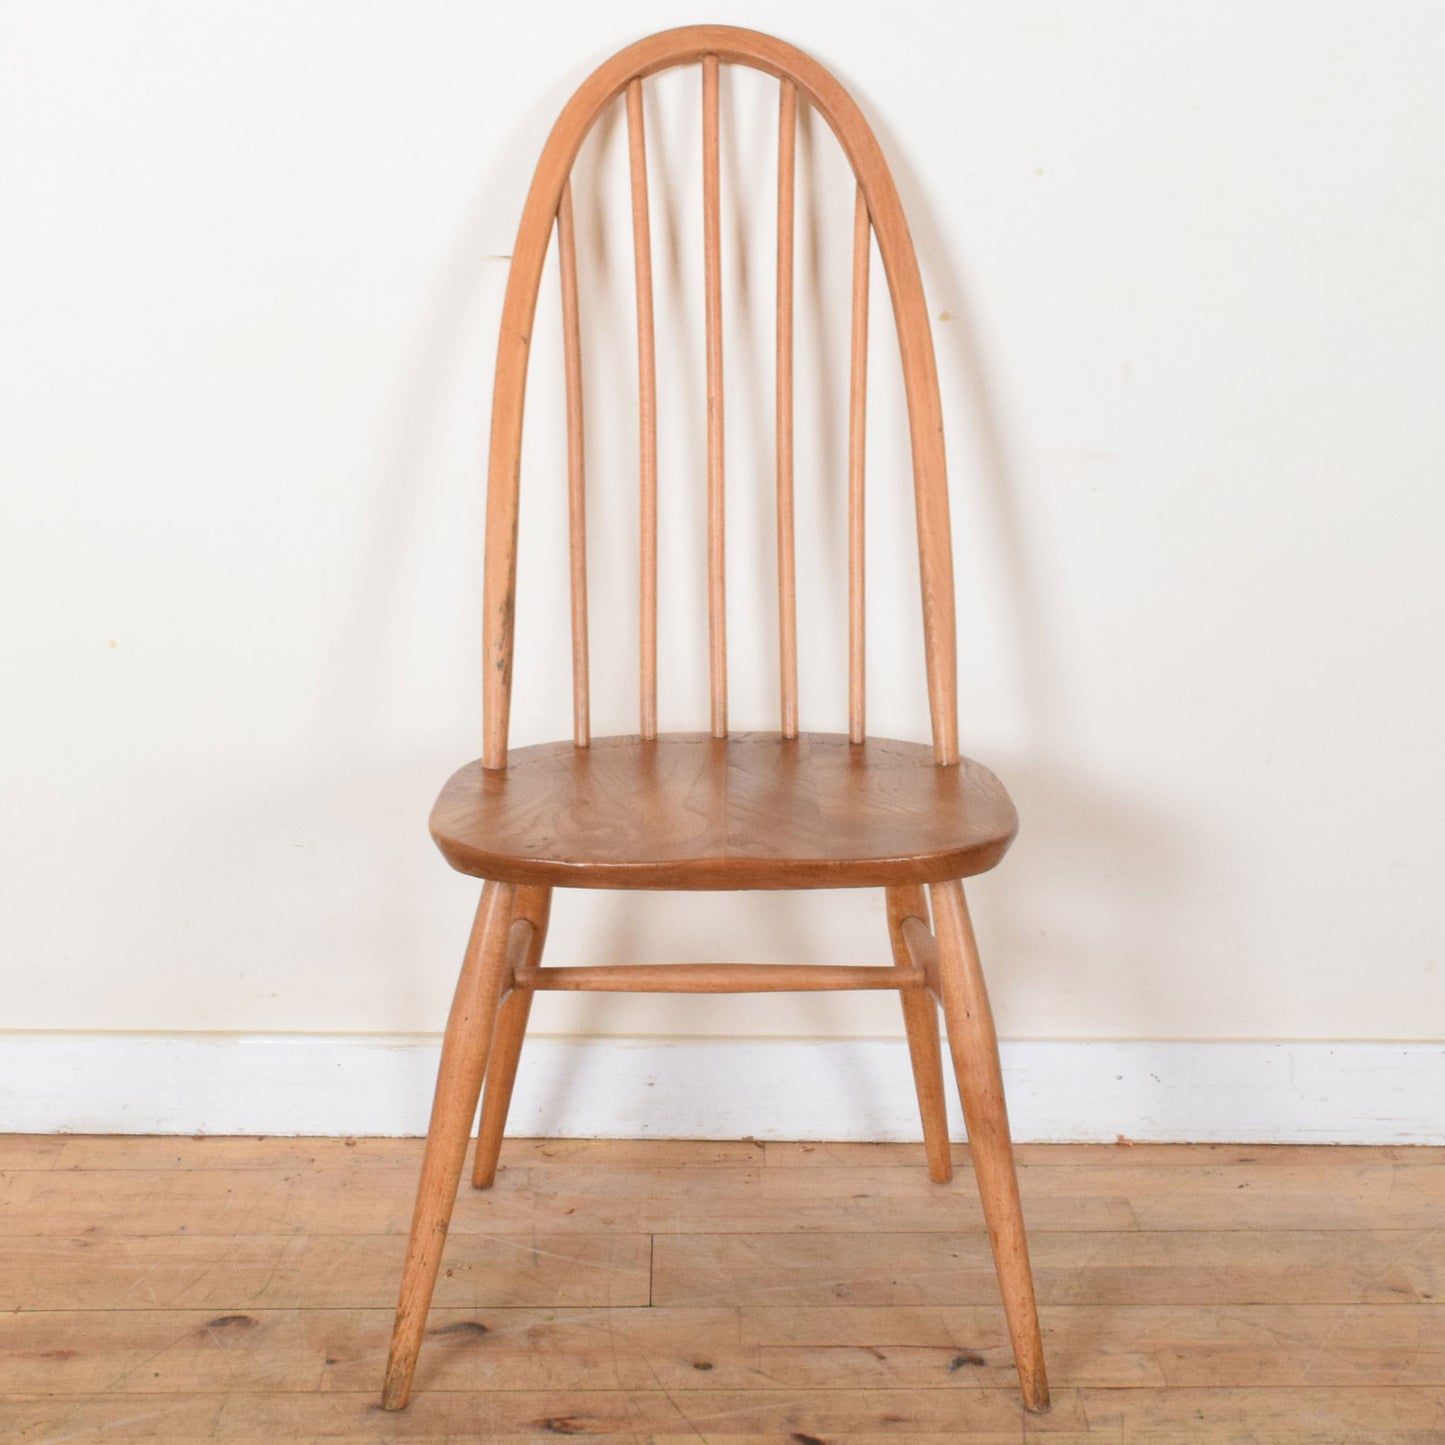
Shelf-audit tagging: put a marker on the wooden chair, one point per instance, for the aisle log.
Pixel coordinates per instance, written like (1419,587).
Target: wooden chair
(720,810)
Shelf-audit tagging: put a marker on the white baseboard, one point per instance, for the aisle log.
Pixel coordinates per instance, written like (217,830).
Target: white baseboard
(1340,1093)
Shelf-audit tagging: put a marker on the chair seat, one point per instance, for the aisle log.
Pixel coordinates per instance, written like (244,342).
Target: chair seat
(754,810)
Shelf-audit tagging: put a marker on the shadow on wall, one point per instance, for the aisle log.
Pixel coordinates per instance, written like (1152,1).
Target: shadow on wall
(1111,856)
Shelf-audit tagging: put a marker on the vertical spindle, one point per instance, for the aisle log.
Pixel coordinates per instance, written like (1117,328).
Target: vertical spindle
(857,439)
(646,405)
(787,583)
(716,507)
(576,485)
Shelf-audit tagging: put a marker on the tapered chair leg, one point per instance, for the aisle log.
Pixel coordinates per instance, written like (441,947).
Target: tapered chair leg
(459,1082)
(920,1020)
(535,905)
(974,1046)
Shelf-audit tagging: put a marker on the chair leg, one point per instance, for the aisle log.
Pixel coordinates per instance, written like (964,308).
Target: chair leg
(974,1046)
(920,1019)
(459,1082)
(533,904)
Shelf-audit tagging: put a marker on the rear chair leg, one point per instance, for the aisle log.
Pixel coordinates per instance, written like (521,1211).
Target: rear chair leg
(974,1046)
(459,1082)
(534,904)
(920,1019)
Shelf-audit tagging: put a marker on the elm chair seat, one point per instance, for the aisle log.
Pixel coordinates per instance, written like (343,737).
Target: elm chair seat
(753,810)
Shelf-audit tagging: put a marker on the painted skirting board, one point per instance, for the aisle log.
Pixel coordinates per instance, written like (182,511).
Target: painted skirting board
(1283,1092)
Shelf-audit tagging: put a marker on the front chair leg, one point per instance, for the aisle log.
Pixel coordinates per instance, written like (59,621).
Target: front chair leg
(974,1046)
(920,1020)
(534,903)
(459,1082)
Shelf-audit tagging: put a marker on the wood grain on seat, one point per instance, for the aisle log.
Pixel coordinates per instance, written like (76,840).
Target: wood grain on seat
(755,810)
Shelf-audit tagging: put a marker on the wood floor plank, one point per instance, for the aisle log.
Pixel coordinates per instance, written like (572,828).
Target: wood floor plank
(1379,1415)
(278,1271)
(947,1348)
(1127,1267)
(140,1151)
(721,1200)
(29,1151)
(847,1154)
(1285,1196)
(1128,1346)
(650,1201)
(1294,1416)
(165,1151)
(636,1153)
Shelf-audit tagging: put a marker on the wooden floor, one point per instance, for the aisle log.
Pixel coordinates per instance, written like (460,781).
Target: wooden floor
(241,1290)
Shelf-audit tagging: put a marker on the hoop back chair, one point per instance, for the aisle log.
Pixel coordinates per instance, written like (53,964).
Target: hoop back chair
(719,810)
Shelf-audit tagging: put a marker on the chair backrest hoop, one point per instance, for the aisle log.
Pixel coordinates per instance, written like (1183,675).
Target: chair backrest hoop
(709,44)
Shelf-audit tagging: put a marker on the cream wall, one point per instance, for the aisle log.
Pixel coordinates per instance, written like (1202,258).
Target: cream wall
(1191,328)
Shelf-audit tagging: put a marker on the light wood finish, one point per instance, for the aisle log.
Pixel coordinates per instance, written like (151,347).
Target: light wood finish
(595,1265)
(1193,1272)
(752,811)
(787,545)
(922,948)
(857,459)
(721,811)
(720,978)
(974,1047)
(459,1082)
(646,406)
(533,909)
(717,625)
(576,468)
(920,1020)
(150,1320)
(711,44)
(1374,1176)
(670,1190)
(314,1271)
(753,1348)
(1381,1415)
